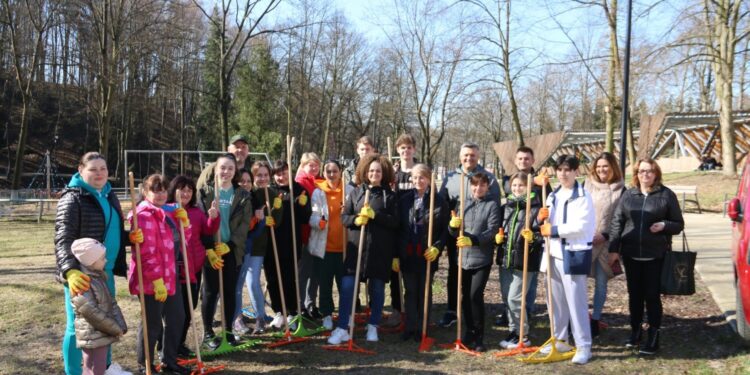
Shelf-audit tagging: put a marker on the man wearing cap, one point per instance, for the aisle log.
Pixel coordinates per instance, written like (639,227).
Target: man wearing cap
(238,146)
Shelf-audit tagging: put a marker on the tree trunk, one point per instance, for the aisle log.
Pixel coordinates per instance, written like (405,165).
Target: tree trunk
(21,145)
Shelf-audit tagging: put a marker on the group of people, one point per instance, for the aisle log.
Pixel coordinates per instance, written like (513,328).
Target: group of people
(228,217)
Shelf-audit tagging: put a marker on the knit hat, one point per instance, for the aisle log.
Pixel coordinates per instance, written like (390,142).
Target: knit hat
(88,250)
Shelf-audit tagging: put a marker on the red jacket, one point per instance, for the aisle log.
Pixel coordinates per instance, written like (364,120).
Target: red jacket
(200,225)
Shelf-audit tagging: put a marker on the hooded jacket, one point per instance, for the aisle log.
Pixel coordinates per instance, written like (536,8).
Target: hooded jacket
(262,240)
(380,232)
(510,252)
(84,212)
(413,234)
(239,220)
(629,234)
(284,228)
(98,319)
(482,219)
(158,253)
(572,219)
(320,209)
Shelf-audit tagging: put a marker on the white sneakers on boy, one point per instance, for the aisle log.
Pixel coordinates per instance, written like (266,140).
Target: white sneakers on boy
(328,323)
(582,356)
(338,336)
(278,321)
(372,333)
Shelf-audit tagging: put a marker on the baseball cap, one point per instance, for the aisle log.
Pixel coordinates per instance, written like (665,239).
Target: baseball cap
(238,137)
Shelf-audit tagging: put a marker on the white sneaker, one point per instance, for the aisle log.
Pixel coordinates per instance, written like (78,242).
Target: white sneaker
(561,346)
(115,369)
(582,356)
(328,323)
(277,321)
(292,326)
(338,336)
(372,333)
(239,327)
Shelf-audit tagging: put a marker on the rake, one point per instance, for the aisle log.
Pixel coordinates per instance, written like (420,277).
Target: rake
(426,344)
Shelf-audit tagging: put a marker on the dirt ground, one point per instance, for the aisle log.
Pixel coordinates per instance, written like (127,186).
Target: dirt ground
(696,338)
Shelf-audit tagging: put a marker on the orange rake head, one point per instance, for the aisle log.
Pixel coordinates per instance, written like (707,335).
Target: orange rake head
(520,349)
(349,347)
(460,347)
(200,367)
(541,180)
(288,339)
(426,344)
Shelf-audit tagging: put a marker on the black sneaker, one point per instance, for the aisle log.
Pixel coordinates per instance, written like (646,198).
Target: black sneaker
(479,348)
(651,346)
(501,320)
(594,327)
(315,313)
(512,339)
(184,352)
(635,338)
(406,335)
(449,319)
(174,368)
(210,340)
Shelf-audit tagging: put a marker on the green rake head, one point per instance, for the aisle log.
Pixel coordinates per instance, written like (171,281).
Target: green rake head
(225,347)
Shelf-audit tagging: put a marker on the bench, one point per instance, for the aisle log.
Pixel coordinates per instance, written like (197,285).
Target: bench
(683,191)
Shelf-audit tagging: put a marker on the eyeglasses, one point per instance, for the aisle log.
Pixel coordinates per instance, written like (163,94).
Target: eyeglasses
(645,171)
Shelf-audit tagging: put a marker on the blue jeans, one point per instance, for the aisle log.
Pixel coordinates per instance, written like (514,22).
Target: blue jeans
(600,291)
(72,356)
(250,274)
(377,299)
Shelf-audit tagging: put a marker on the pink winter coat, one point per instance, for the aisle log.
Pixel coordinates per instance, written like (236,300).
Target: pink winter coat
(157,250)
(200,225)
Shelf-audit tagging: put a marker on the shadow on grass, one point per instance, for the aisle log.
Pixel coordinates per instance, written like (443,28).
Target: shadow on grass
(28,271)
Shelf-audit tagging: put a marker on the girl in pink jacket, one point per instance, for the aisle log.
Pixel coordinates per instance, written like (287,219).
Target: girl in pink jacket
(182,190)
(160,252)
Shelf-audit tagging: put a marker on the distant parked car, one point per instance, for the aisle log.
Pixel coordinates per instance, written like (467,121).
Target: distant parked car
(739,211)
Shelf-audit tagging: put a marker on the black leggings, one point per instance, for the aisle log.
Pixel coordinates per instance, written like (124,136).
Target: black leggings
(473,283)
(396,292)
(287,277)
(194,287)
(644,285)
(211,292)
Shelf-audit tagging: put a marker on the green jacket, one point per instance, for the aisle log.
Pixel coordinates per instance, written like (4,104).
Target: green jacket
(239,220)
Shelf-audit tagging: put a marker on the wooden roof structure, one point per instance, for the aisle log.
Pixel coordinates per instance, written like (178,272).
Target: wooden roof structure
(690,133)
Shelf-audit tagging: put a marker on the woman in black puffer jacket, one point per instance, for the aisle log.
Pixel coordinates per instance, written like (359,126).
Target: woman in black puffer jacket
(646,218)
(87,209)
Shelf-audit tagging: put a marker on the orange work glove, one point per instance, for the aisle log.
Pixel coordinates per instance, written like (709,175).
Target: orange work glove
(543,214)
(322,223)
(546,229)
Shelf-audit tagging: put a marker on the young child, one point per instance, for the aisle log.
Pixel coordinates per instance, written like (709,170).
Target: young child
(571,229)
(510,255)
(99,321)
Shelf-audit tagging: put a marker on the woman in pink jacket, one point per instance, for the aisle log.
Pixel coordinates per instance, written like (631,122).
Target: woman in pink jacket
(182,190)
(159,256)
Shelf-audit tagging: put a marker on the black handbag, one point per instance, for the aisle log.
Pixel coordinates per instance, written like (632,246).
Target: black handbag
(678,275)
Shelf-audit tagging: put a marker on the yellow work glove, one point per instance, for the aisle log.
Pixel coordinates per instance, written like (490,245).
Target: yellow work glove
(546,229)
(277,202)
(78,282)
(160,291)
(463,241)
(361,220)
(136,236)
(182,215)
(543,214)
(221,249)
(431,254)
(270,222)
(455,222)
(500,236)
(214,260)
(527,235)
(395,265)
(302,199)
(367,211)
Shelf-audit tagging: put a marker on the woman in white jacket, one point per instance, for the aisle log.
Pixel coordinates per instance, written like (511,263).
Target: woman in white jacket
(327,236)
(571,229)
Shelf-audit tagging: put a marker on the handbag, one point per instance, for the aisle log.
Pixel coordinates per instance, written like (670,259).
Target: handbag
(678,275)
